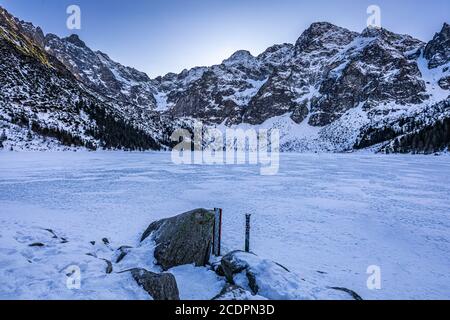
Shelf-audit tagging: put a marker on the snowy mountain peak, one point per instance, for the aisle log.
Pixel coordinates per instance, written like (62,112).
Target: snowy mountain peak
(100,73)
(240,57)
(321,27)
(437,50)
(333,90)
(445,29)
(277,55)
(372,32)
(75,40)
(322,35)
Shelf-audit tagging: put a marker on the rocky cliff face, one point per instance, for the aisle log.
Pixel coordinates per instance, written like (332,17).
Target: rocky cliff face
(330,91)
(325,93)
(97,71)
(329,71)
(42,105)
(437,51)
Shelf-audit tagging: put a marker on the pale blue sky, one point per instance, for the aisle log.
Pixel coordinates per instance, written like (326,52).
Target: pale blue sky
(160,36)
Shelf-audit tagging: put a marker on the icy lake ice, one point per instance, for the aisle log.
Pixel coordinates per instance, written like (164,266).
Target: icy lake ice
(327,217)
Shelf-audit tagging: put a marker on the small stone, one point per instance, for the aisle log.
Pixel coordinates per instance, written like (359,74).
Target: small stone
(161,286)
(37,244)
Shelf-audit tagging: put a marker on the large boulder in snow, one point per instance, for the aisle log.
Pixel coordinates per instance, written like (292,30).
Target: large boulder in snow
(184,239)
(161,286)
(271,280)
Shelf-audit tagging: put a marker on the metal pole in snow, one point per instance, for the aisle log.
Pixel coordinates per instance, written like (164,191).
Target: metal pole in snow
(247,232)
(217,237)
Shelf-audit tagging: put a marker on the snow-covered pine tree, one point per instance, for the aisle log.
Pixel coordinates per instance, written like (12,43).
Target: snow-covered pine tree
(3,136)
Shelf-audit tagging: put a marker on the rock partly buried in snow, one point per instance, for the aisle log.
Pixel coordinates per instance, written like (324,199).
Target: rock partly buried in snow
(184,239)
(271,280)
(232,292)
(122,253)
(37,244)
(260,276)
(109,266)
(351,293)
(161,286)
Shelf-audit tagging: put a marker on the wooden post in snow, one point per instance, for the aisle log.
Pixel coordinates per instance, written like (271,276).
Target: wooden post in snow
(217,232)
(247,232)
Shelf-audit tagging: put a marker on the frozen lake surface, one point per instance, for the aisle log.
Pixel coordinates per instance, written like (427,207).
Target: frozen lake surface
(326,217)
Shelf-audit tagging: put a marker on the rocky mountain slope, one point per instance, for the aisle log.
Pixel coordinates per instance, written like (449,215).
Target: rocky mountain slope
(42,105)
(333,90)
(98,71)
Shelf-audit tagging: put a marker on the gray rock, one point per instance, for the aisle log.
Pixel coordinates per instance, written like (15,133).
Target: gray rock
(37,244)
(237,262)
(122,253)
(262,277)
(161,286)
(184,239)
(109,266)
(233,293)
(231,265)
(352,293)
(54,236)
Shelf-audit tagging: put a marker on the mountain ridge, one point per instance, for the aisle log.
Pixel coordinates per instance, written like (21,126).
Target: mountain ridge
(327,92)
